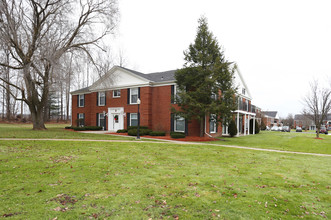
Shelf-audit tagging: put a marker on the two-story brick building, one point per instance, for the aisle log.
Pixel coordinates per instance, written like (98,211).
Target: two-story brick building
(111,102)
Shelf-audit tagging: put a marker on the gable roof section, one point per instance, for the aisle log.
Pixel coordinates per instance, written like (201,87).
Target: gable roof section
(272,114)
(243,84)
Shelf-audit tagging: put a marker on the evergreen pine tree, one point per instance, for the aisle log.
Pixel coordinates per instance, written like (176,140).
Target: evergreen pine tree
(232,128)
(205,83)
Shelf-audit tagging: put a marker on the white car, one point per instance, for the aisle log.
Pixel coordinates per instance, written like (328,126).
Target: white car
(275,128)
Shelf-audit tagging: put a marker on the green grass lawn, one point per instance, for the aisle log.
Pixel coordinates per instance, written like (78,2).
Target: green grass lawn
(81,180)
(54,131)
(288,141)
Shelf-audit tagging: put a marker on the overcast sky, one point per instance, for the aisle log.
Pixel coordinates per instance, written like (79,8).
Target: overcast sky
(279,46)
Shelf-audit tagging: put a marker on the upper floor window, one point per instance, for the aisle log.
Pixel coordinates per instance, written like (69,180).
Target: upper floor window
(101,98)
(243,91)
(81,100)
(133,95)
(116,93)
(213,96)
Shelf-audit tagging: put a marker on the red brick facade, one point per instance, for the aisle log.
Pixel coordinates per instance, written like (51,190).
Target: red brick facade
(155,109)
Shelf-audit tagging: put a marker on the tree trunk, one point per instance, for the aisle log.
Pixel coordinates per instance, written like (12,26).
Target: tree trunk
(202,127)
(37,118)
(317,132)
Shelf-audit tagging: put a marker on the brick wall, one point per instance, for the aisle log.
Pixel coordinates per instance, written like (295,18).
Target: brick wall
(155,109)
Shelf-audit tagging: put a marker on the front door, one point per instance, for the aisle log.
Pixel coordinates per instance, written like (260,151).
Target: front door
(116,124)
(115,119)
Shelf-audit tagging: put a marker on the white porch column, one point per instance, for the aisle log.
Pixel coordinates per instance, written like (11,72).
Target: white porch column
(245,123)
(254,124)
(238,123)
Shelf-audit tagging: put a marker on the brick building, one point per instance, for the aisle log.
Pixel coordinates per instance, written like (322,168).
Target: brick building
(111,102)
(270,118)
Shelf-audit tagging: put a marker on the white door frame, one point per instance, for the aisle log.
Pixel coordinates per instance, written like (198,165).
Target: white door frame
(111,113)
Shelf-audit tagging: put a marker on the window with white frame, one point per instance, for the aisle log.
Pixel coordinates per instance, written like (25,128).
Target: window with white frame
(81,100)
(212,124)
(176,94)
(133,119)
(116,93)
(101,120)
(102,99)
(179,124)
(81,120)
(133,95)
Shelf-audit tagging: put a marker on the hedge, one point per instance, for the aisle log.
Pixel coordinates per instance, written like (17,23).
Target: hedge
(136,127)
(87,128)
(157,133)
(133,132)
(122,131)
(177,135)
(232,128)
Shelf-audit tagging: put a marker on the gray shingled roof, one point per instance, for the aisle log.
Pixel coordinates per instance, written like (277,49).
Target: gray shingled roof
(272,114)
(83,90)
(156,77)
(165,76)
(302,117)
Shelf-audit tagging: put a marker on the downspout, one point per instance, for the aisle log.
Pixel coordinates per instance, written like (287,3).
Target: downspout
(206,128)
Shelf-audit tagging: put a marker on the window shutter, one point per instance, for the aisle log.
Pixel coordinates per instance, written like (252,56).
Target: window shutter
(77,119)
(77,100)
(97,98)
(84,118)
(186,127)
(98,119)
(84,103)
(105,98)
(139,92)
(129,96)
(127,120)
(172,94)
(172,128)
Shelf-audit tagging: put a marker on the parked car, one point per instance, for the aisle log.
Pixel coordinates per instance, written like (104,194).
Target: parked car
(268,128)
(329,128)
(275,128)
(280,128)
(286,129)
(323,130)
(298,129)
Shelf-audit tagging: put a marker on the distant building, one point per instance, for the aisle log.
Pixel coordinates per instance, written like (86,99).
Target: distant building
(307,123)
(270,118)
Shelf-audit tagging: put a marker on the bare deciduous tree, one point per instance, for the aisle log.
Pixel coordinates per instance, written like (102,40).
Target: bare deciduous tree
(39,32)
(317,105)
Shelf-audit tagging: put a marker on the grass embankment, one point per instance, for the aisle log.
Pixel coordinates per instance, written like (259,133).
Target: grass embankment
(292,141)
(78,180)
(54,131)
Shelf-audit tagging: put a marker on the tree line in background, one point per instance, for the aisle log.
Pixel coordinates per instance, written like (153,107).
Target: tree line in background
(44,45)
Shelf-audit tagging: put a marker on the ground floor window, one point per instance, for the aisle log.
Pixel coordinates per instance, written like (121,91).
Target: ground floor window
(102,121)
(212,124)
(179,124)
(133,119)
(81,120)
